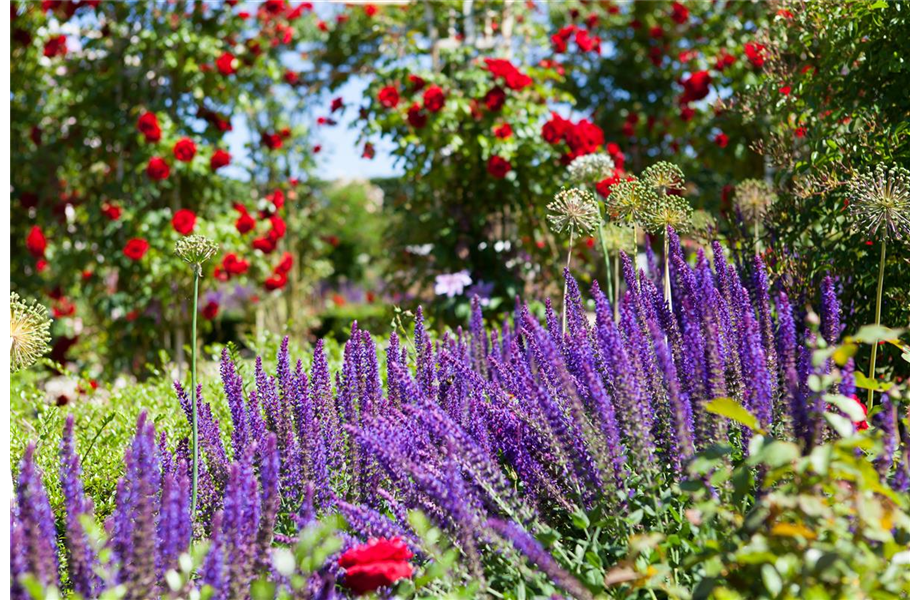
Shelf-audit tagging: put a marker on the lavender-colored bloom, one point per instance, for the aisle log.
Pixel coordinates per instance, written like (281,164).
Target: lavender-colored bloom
(174,524)
(830,312)
(535,553)
(794,413)
(886,422)
(214,570)
(241,518)
(424,357)
(35,541)
(270,466)
(761,302)
(452,284)
(81,558)
(369,523)
(233,390)
(758,396)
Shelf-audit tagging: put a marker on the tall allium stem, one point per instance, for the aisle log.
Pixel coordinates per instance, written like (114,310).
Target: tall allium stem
(636,251)
(600,230)
(616,288)
(757,237)
(878,315)
(194,398)
(568,264)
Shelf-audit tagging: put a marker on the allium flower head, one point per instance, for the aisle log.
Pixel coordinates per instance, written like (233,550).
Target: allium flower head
(880,202)
(573,209)
(663,176)
(673,211)
(195,250)
(630,202)
(589,169)
(29,332)
(754,197)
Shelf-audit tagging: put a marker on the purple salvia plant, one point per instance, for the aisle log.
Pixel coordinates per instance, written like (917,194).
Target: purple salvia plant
(424,357)
(241,518)
(758,396)
(368,523)
(760,288)
(885,421)
(233,389)
(214,570)
(174,525)
(35,541)
(794,411)
(270,498)
(830,312)
(81,558)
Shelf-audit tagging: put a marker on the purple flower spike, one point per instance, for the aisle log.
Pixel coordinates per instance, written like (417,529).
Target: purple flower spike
(81,558)
(35,539)
(830,312)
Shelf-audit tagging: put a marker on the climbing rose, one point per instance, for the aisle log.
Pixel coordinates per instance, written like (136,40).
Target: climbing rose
(495,99)
(554,129)
(696,87)
(136,248)
(501,68)
(721,140)
(503,131)
(184,150)
(679,13)
(157,169)
(220,158)
(378,563)
(36,242)
(234,265)
(286,264)
(498,167)
(264,244)
(56,46)
(276,282)
(756,54)
(224,64)
(388,96)
(416,117)
(210,309)
(111,211)
(184,221)
(245,223)
(434,99)
(149,126)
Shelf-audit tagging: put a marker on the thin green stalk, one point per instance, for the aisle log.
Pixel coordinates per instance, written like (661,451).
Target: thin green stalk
(757,236)
(616,288)
(636,252)
(194,398)
(878,316)
(600,229)
(565,288)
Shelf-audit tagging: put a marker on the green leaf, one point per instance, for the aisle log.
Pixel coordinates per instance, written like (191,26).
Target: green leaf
(848,406)
(865,383)
(842,425)
(869,334)
(771,579)
(728,408)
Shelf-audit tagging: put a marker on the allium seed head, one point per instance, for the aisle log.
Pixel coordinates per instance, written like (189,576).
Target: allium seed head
(630,202)
(663,176)
(195,250)
(30,326)
(573,209)
(754,197)
(589,169)
(673,211)
(880,202)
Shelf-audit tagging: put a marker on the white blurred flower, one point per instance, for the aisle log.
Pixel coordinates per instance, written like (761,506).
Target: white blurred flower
(452,284)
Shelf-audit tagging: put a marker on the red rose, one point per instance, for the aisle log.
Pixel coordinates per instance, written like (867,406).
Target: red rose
(498,167)
(416,117)
(433,99)
(245,223)
(184,221)
(494,99)
(278,227)
(696,87)
(501,68)
(619,159)
(785,90)
(721,140)
(265,245)
(756,54)
(157,169)
(583,138)
(136,248)
(63,308)
(184,150)
(276,282)
(686,113)
(503,131)
(368,151)
(210,310)
(679,13)
(555,129)
(234,265)
(291,77)
(111,211)
(861,425)
(56,46)
(149,126)
(277,199)
(220,158)
(416,82)
(370,10)
(587,42)
(604,186)
(378,563)
(224,64)
(286,264)
(388,96)
(273,141)
(36,243)
(337,104)
(800,132)
(41,264)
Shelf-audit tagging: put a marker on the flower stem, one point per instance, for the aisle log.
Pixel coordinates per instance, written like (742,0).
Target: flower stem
(565,288)
(616,288)
(600,230)
(194,398)
(878,317)
(636,252)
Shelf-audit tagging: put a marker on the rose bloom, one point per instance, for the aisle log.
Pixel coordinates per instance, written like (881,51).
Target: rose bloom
(184,221)
(679,13)
(555,129)
(149,126)
(210,310)
(388,96)
(273,141)
(494,99)
(498,167)
(416,117)
(286,264)
(245,223)
(220,158)
(185,150)
(369,151)
(36,243)
(111,211)
(264,244)
(721,140)
(56,46)
(276,282)
(278,227)
(157,169)
(696,87)
(756,54)
(224,64)
(136,248)
(416,82)
(433,98)
(379,563)
(234,265)
(503,131)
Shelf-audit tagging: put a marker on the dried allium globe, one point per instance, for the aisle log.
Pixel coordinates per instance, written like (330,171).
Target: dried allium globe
(196,250)
(663,176)
(631,203)
(30,326)
(880,202)
(573,209)
(754,197)
(590,169)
